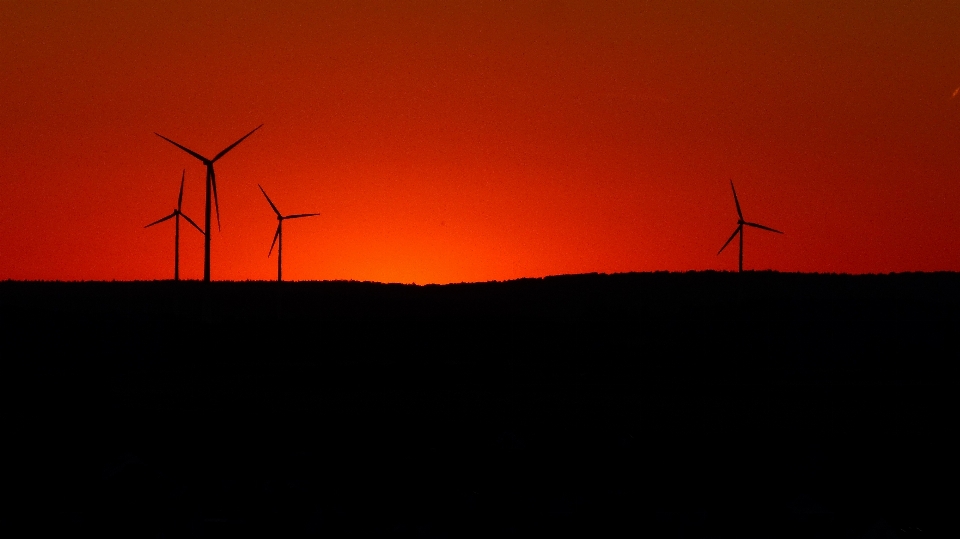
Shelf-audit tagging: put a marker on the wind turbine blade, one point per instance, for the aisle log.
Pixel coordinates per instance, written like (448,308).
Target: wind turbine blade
(275,236)
(755,225)
(216,201)
(735,200)
(232,146)
(189,220)
(184,148)
(735,232)
(158,221)
(301,215)
(270,201)
(180,198)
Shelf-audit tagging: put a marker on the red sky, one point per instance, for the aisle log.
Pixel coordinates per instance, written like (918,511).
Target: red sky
(447,142)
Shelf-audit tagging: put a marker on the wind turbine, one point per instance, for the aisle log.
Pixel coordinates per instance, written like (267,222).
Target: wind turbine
(211,183)
(739,230)
(177,213)
(279,234)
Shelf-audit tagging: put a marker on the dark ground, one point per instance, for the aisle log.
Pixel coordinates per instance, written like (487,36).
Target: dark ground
(640,405)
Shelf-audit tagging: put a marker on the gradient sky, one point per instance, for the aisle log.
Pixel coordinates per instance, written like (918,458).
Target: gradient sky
(447,142)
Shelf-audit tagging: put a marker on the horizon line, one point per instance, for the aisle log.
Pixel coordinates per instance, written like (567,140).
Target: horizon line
(553,276)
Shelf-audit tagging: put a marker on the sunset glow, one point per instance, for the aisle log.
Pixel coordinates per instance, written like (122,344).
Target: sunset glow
(446,142)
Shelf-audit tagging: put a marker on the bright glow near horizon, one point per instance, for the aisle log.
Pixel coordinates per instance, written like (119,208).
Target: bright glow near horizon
(447,142)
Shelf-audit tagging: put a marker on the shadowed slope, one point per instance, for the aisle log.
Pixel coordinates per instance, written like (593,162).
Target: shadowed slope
(583,404)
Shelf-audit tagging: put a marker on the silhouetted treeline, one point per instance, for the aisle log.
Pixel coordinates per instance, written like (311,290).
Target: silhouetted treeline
(559,298)
(786,326)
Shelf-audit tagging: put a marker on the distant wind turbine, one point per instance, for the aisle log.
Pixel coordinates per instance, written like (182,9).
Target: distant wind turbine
(177,214)
(211,183)
(279,234)
(739,230)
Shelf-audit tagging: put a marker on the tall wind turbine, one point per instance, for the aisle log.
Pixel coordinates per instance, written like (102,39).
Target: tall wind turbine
(279,234)
(177,214)
(740,224)
(211,183)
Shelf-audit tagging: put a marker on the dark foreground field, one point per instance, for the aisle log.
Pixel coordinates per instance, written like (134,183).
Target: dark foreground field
(634,405)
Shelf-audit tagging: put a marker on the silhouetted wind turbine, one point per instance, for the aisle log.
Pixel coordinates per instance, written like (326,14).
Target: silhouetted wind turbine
(177,213)
(211,183)
(279,234)
(739,230)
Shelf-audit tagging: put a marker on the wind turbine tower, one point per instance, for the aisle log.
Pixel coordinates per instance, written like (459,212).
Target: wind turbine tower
(740,225)
(279,234)
(177,214)
(211,184)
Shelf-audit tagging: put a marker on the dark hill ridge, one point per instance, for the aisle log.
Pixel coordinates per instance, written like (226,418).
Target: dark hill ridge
(787,327)
(587,296)
(696,404)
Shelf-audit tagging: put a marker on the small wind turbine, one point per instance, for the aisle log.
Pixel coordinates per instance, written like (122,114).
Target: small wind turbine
(279,234)
(739,230)
(211,183)
(177,213)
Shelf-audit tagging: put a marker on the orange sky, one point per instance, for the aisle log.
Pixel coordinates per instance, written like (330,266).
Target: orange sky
(490,140)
